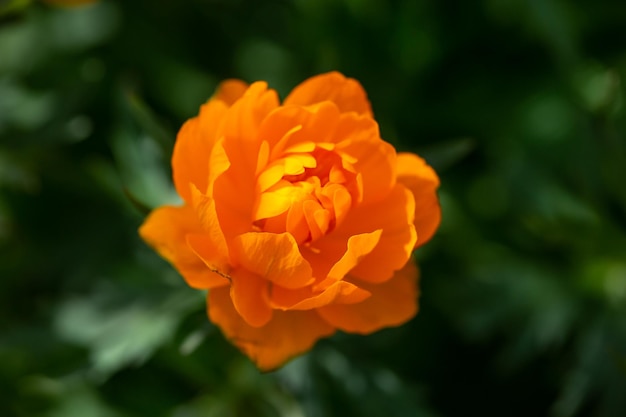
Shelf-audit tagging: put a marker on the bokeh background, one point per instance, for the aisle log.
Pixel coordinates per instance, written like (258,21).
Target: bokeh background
(518,104)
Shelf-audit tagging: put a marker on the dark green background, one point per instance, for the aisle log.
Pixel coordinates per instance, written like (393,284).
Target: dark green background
(518,104)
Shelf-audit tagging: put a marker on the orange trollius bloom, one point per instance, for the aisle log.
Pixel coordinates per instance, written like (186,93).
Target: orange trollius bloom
(298,218)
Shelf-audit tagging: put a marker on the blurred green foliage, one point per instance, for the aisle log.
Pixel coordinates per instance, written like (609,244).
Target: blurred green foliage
(519,105)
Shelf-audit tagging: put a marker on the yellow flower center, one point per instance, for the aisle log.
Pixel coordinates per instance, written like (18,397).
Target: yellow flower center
(307,194)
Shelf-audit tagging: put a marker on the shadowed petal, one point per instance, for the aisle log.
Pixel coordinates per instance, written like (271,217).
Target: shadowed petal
(394,216)
(233,190)
(197,137)
(206,213)
(392,303)
(422,181)
(358,247)
(332,257)
(288,127)
(346,93)
(249,293)
(192,150)
(287,334)
(339,292)
(275,257)
(166,229)
(359,140)
(206,250)
(230,91)
(236,153)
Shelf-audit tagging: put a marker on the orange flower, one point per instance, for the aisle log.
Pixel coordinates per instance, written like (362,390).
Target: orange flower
(298,218)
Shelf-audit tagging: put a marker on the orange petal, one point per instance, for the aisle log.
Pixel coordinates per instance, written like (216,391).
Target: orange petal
(219,163)
(339,292)
(197,137)
(234,190)
(237,154)
(316,217)
(249,293)
(206,250)
(346,93)
(392,303)
(291,127)
(323,254)
(271,204)
(359,140)
(422,180)
(394,216)
(246,114)
(358,247)
(337,198)
(190,158)
(339,254)
(287,334)
(207,216)
(275,257)
(263,157)
(230,91)
(166,230)
(270,176)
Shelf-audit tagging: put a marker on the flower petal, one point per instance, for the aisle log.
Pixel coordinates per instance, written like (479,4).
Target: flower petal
(206,213)
(249,293)
(339,292)
(275,257)
(233,190)
(193,147)
(237,152)
(289,126)
(346,93)
(394,216)
(205,250)
(166,230)
(358,247)
(230,91)
(392,303)
(287,334)
(242,121)
(358,139)
(422,180)
(197,137)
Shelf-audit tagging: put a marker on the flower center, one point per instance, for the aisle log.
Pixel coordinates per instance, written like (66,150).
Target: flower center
(325,162)
(306,194)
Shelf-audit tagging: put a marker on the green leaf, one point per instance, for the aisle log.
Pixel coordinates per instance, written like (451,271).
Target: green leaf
(125,335)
